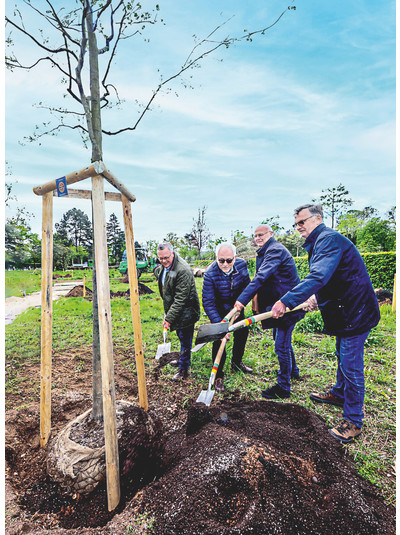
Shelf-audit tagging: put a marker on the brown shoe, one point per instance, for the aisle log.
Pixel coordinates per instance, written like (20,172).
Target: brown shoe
(182,374)
(326,397)
(345,431)
(219,385)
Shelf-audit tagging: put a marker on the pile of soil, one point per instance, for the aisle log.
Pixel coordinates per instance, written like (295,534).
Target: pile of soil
(384,297)
(236,468)
(67,276)
(77,291)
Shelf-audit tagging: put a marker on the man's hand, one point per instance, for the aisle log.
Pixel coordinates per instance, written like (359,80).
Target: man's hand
(312,304)
(278,310)
(239,306)
(166,324)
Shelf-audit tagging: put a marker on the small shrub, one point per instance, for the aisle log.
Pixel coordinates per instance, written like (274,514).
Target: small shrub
(311,323)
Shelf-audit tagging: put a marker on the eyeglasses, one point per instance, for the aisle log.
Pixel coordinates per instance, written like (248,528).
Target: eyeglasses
(227,260)
(260,235)
(163,259)
(301,222)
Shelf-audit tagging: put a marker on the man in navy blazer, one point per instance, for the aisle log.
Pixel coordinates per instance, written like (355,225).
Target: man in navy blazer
(276,273)
(339,284)
(224,279)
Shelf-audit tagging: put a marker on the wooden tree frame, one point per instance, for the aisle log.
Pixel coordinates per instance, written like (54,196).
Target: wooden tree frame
(97,172)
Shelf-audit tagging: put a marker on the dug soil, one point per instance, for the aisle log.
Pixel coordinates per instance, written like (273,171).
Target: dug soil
(239,467)
(77,291)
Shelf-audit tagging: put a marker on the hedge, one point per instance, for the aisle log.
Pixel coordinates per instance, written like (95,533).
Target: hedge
(381,268)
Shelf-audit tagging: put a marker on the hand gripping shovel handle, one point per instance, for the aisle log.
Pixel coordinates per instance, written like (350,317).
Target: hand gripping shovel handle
(259,317)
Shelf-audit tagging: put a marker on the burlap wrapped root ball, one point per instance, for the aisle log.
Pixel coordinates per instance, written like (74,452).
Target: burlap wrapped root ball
(81,468)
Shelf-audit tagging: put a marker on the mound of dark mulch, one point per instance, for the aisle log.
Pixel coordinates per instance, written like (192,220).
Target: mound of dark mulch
(261,468)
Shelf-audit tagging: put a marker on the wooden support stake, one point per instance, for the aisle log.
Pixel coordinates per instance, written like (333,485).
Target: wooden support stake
(112,179)
(106,348)
(394,295)
(47,319)
(87,194)
(135,307)
(77,176)
(84,287)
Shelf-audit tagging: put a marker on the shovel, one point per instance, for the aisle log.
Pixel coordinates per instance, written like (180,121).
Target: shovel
(206,396)
(224,320)
(216,331)
(163,348)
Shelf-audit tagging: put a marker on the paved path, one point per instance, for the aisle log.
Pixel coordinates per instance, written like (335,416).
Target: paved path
(16,305)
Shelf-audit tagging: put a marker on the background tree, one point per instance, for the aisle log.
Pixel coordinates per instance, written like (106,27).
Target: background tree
(273,223)
(115,239)
(377,235)
(334,200)
(199,234)
(75,229)
(292,241)
(352,221)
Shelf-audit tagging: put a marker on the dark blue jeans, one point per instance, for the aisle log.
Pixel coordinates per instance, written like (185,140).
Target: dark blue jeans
(185,336)
(350,382)
(286,358)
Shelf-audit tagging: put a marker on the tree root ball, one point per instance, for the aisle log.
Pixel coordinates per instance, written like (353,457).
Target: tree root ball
(76,456)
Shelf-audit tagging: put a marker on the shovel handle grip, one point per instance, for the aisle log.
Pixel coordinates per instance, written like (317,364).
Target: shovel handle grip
(229,316)
(220,351)
(259,317)
(165,330)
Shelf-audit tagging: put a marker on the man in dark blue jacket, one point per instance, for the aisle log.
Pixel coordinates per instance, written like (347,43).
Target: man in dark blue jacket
(339,284)
(276,273)
(223,282)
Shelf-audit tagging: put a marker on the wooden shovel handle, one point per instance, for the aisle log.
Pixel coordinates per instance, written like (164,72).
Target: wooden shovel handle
(230,315)
(218,356)
(259,317)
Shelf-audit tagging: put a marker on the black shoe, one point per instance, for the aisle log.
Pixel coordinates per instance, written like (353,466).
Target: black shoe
(219,385)
(242,368)
(182,374)
(275,392)
(174,363)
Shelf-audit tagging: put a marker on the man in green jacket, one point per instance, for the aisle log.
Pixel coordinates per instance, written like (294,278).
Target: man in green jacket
(181,302)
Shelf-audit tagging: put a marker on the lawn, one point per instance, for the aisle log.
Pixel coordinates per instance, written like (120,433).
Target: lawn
(373,452)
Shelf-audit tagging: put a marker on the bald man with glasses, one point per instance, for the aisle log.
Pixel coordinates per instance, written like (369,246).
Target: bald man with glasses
(224,280)
(276,274)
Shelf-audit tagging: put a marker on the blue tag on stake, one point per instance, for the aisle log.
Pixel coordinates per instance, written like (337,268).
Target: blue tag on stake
(62,186)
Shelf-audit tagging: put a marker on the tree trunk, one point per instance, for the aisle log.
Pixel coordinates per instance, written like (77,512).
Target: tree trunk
(97,155)
(97,150)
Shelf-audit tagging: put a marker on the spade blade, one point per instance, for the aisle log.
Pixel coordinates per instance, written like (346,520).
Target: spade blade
(211,332)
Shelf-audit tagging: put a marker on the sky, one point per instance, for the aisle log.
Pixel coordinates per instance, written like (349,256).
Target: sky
(264,127)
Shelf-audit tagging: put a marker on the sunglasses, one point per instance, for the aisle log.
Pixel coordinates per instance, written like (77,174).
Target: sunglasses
(301,222)
(227,260)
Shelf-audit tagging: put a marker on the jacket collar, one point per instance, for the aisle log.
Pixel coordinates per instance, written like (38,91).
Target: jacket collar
(312,238)
(266,245)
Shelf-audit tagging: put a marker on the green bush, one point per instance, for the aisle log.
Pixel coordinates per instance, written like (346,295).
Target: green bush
(311,323)
(381,268)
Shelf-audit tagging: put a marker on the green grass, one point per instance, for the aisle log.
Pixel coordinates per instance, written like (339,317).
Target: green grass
(373,453)
(19,282)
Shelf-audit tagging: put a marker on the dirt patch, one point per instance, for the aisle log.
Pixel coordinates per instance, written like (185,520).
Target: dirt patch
(384,297)
(77,291)
(237,468)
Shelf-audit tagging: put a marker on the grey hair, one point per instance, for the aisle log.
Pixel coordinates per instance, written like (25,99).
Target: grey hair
(314,209)
(165,245)
(225,244)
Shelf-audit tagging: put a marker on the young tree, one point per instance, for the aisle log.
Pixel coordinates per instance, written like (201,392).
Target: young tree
(115,238)
(199,234)
(334,201)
